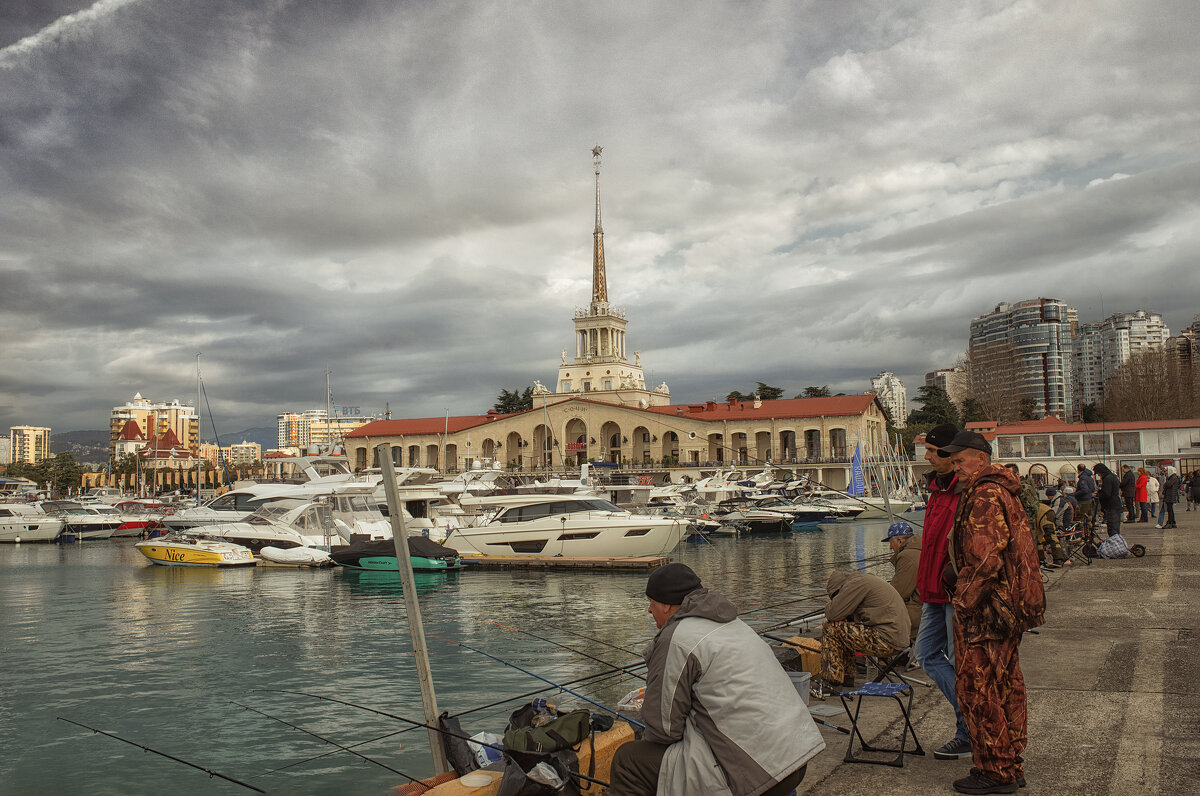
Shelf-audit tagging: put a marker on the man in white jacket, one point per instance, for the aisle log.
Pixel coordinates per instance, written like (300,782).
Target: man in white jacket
(721,715)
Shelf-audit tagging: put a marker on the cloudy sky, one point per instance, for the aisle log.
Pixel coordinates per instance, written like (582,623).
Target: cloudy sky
(401,192)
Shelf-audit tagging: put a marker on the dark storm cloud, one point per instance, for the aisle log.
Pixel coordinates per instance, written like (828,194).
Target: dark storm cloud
(401,193)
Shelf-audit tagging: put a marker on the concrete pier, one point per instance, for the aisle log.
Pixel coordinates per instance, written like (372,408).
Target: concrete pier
(1112,678)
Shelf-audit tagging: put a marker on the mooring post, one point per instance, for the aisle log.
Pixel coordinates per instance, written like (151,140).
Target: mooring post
(415,627)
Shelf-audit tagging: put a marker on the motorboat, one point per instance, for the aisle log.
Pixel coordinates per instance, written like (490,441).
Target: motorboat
(565,525)
(130,524)
(23,522)
(745,515)
(799,512)
(192,550)
(295,557)
(292,522)
(84,523)
(380,554)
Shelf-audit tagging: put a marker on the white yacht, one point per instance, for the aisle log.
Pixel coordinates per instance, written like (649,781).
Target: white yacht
(83,522)
(565,525)
(289,523)
(27,523)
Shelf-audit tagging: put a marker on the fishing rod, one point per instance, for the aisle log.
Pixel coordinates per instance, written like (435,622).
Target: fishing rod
(598,641)
(564,646)
(340,747)
(208,771)
(543,679)
(335,751)
(812,615)
(590,679)
(415,723)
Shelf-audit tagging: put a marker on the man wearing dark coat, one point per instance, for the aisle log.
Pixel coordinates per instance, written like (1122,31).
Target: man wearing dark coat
(1128,491)
(1108,498)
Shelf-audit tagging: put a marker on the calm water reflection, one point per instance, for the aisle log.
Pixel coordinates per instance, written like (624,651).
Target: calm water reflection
(95,634)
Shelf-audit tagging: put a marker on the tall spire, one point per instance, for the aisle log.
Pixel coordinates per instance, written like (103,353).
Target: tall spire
(599,280)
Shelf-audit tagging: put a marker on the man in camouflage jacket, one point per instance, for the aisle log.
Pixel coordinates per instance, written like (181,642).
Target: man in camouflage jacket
(998,595)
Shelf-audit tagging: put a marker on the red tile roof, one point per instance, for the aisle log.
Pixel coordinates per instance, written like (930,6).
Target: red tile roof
(131,432)
(836,406)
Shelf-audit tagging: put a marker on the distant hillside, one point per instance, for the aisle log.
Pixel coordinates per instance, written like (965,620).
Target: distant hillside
(88,447)
(265,436)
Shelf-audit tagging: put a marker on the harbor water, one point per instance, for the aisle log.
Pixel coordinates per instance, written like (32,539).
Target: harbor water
(172,658)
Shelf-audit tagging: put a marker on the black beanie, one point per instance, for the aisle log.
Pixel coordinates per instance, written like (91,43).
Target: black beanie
(670,584)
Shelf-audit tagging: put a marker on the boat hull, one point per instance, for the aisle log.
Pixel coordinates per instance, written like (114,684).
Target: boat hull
(640,536)
(195,554)
(35,530)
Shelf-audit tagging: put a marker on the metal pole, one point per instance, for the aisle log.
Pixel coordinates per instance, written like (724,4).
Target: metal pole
(411,606)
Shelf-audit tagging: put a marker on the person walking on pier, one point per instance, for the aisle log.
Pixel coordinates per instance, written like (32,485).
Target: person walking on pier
(1108,498)
(1128,492)
(721,715)
(1085,494)
(934,648)
(1170,498)
(1153,491)
(1141,494)
(998,595)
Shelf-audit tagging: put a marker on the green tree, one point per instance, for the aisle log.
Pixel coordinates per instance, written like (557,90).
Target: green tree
(973,411)
(769,393)
(812,391)
(514,401)
(936,408)
(64,473)
(1027,409)
(738,396)
(1090,413)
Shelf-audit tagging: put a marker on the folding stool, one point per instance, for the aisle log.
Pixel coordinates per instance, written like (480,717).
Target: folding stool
(893,690)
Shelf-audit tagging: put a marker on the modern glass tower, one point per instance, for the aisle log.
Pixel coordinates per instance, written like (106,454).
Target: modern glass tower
(1024,350)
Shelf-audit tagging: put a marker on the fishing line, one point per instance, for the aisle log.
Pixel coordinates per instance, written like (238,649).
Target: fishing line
(563,646)
(412,722)
(326,740)
(335,751)
(208,771)
(539,677)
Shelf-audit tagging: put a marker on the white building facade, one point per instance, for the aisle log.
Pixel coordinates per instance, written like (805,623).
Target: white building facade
(1100,348)
(893,396)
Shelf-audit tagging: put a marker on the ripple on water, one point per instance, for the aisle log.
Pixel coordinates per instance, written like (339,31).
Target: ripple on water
(159,654)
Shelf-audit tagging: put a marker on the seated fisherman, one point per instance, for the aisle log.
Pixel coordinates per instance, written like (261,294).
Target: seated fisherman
(1064,505)
(906,553)
(721,715)
(1045,534)
(865,614)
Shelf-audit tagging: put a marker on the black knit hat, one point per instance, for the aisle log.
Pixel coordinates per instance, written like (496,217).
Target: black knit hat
(940,436)
(670,584)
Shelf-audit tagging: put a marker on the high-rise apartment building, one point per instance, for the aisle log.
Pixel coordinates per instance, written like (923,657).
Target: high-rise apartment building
(893,396)
(244,453)
(1100,348)
(314,428)
(29,444)
(154,420)
(952,380)
(1023,351)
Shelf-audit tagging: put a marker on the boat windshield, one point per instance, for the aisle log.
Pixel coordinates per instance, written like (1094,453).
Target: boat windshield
(553,508)
(266,514)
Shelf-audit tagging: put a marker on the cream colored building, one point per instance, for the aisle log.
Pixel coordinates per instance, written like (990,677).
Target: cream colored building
(30,444)
(155,420)
(601,410)
(243,453)
(314,428)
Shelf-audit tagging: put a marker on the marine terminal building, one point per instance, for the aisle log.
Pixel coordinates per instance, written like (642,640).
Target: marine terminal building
(602,410)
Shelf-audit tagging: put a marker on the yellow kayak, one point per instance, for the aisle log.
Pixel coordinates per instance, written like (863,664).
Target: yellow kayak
(181,550)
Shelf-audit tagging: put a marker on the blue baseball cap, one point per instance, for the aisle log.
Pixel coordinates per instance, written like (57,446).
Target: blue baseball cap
(898,529)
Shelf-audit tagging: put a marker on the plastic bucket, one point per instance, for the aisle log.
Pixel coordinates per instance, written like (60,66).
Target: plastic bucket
(800,682)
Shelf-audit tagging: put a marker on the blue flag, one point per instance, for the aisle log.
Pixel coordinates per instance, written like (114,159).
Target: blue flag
(857,487)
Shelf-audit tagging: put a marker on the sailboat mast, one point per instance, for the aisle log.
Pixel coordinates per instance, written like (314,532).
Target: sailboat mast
(328,414)
(197,428)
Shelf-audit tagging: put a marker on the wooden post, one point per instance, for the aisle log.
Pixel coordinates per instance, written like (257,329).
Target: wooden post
(411,606)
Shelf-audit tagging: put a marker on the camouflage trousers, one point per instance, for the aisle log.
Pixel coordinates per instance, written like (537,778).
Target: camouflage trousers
(1047,542)
(840,640)
(991,694)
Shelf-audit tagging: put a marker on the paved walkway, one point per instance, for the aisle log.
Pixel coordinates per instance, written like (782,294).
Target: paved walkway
(1112,678)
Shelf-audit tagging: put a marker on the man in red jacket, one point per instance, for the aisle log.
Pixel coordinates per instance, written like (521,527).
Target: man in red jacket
(934,647)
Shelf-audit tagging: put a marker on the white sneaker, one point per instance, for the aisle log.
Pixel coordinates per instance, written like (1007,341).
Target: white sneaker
(1158,526)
